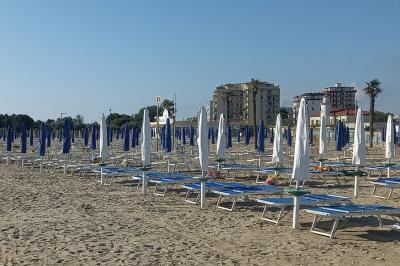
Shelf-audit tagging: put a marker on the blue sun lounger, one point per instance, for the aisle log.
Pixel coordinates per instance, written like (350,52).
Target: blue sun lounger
(242,191)
(346,212)
(194,188)
(309,200)
(390,183)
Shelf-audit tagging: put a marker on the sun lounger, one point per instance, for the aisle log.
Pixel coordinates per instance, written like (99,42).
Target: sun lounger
(390,183)
(382,169)
(346,212)
(241,191)
(308,200)
(194,188)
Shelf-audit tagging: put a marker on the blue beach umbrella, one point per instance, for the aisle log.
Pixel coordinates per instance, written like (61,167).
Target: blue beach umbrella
(86,136)
(183,130)
(261,137)
(42,140)
(191,136)
(229,137)
(212,135)
(238,135)
(247,135)
(48,137)
(168,141)
(133,140)
(66,138)
(73,135)
(311,136)
(338,136)
(126,138)
(108,136)
(23,138)
(117,133)
(9,139)
(383,134)
(94,138)
(271,138)
(289,136)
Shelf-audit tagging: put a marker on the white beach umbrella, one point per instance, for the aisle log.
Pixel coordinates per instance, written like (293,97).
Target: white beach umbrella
(301,164)
(104,153)
(322,131)
(389,144)
(146,138)
(221,141)
(358,158)
(202,142)
(277,153)
(146,145)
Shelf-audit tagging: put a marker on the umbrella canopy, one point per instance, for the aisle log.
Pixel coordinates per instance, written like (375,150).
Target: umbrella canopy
(49,137)
(31,137)
(168,139)
(23,138)
(146,138)
(94,138)
(9,139)
(238,135)
(133,140)
(126,137)
(247,135)
(322,130)
(271,138)
(191,136)
(389,144)
(311,136)
(229,137)
(339,136)
(289,136)
(66,137)
(261,137)
(202,141)
(359,140)
(108,135)
(86,136)
(212,135)
(42,140)
(73,134)
(301,162)
(104,154)
(277,153)
(183,137)
(383,134)
(221,142)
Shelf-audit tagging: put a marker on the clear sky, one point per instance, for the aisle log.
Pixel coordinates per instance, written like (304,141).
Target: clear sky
(83,56)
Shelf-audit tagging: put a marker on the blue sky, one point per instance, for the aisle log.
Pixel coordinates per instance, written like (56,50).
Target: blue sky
(84,57)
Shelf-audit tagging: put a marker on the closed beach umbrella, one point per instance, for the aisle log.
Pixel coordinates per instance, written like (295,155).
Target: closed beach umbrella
(126,137)
(247,135)
(133,140)
(31,137)
(146,138)
(49,137)
(221,142)
(301,163)
(23,138)
(9,139)
(358,158)
(311,136)
(383,134)
(108,136)
(389,145)
(183,132)
(289,136)
(86,136)
(168,139)
(212,135)
(277,153)
(261,137)
(191,136)
(73,134)
(229,137)
(94,138)
(104,153)
(271,138)
(238,135)
(202,143)
(66,137)
(322,130)
(339,136)
(42,141)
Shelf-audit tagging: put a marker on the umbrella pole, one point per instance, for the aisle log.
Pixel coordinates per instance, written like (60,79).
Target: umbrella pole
(356,184)
(202,192)
(296,209)
(144,183)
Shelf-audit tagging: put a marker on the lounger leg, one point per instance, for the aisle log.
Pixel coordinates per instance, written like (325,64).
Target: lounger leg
(334,228)
(390,193)
(379,221)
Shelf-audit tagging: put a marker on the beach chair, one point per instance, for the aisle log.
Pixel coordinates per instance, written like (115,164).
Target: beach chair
(390,183)
(345,212)
(242,191)
(381,169)
(309,200)
(194,188)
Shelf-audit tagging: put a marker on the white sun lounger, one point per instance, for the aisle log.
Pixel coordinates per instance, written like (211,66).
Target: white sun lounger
(391,183)
(346,212)
(308,200)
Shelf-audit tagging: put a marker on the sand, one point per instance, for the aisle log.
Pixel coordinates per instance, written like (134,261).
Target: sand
(49,219)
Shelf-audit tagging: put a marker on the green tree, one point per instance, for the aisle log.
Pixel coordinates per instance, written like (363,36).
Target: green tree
(372,89)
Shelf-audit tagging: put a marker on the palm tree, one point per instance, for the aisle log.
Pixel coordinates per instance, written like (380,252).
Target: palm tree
(372,89)
(254,85)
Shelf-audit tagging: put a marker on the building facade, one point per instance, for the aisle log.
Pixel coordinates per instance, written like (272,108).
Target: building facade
(235,101)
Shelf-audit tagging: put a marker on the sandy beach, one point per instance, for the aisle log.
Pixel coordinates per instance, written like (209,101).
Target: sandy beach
(50,219)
